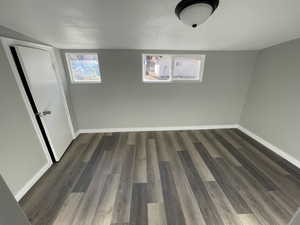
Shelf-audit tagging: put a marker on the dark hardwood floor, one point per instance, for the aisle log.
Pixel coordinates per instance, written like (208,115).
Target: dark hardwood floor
(208,177)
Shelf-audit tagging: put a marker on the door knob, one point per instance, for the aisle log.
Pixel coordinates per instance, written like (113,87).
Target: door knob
(44,113)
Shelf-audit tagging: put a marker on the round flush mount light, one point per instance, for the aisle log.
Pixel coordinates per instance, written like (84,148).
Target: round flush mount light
(195,12)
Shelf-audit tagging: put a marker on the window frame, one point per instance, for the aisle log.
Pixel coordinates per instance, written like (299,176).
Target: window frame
(202,58)
(71,76)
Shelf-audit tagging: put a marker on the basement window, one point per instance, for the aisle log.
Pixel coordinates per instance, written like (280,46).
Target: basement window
(172,68)
(83,67)
(157,68)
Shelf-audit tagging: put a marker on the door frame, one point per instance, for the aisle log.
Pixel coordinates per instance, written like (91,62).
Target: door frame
(7,43)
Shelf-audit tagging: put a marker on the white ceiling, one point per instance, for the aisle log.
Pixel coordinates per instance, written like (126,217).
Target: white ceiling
(152,24)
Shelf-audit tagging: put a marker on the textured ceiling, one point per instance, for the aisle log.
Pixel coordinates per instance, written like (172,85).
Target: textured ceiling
(152,24)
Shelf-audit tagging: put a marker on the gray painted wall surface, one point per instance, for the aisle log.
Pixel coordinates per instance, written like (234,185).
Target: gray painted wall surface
(21,155)
(124,101)
(272,109)
(10,211)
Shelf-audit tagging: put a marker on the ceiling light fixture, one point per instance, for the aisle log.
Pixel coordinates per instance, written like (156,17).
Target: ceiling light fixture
(195,12)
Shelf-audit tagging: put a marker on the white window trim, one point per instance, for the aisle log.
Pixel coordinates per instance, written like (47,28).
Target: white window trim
(202,60)
(70,69)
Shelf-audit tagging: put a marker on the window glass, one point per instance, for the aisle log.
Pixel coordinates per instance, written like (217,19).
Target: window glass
(186,68)
(84,67)
(157,68)
(172,67)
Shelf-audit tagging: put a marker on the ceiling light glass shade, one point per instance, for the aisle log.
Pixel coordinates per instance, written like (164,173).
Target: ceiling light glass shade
(196,14)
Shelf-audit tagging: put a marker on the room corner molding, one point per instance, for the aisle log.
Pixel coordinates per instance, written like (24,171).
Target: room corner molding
(270,146)
(32,181)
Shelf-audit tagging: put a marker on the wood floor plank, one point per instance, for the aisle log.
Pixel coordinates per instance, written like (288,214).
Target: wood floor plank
(284,201)
(237,144)
(225,181)
(139,211)
(88,205)
(103,213)
(179,140)
(91,147)
(258,174)
(248,219)
(220,148)
(173,209)
(153,175)
(289,185)
(121,209)
(69,209)
(140,172)
(199,163)
(225,169)
(292,169)
(156,214)
(278,177)
(85,138)
(207,207)
(189,204)
(259,155)
(131,138)
(258,210)
(110,141)
(88,173)
(224,207)
(177,144)
(119,153)
(260,205)
(161,147)
(208,143)
(253,189)
(282,215)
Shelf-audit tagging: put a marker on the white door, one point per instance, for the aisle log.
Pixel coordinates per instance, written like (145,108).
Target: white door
(42,81)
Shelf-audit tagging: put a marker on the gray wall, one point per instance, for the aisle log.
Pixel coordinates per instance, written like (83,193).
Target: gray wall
(10,211)
(123,101)
(272,109)
(21,155)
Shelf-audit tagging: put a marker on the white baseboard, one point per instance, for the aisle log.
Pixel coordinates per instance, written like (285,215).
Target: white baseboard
(76,134)
(270,146)
(32,181)
(137,129)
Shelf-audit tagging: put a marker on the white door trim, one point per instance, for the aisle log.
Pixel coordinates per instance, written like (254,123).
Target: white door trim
(7,43)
